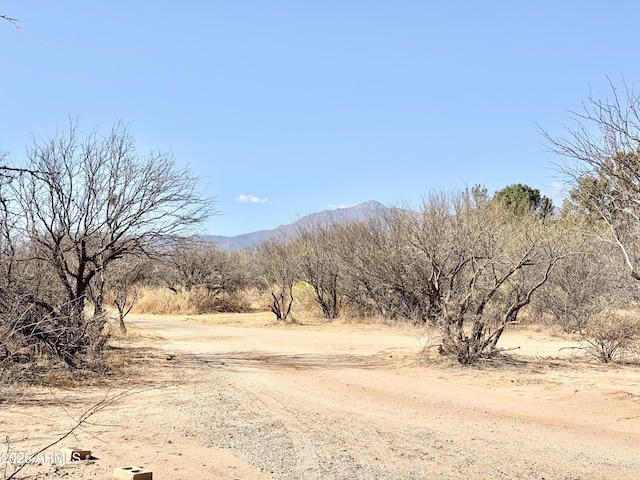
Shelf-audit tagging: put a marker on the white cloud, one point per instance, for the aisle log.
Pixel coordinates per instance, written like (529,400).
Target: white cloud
(251,199)
(338,207)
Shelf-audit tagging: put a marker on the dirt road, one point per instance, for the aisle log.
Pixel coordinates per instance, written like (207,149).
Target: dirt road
(351,402)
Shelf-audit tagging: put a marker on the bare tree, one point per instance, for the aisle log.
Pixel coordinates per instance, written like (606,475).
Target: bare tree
(481,266)
(123,278)
(603,161)
(279,268)
(358,248)
(13,21)
(94,200)
(320,265)
(590,280)
(206,265)
(379,274)
(460,262)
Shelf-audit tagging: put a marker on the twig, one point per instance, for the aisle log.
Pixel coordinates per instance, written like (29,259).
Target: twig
(11,20)
(107,401)
(500,350)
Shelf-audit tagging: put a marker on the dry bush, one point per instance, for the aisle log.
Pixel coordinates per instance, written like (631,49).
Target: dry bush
(589,280)
(159,301)
(38,324)
(430,339)
(482,266)
(320,267)
(278,261)
(35,333)
(611,335)
(163,301)
(306,304)
(199,278)
(205,265)
(201,300)
(378,279)
(240,301)
(253,299)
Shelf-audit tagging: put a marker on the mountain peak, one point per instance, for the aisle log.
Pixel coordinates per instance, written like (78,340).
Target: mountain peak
(336,215)
(370,205)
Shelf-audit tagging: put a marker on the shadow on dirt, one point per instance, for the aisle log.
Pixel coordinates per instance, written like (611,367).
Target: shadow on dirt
(265,360)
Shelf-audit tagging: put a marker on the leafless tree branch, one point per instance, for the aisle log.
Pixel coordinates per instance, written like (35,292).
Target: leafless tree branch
(107,401)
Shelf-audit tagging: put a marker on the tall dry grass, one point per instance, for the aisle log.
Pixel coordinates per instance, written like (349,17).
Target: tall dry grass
(162,301)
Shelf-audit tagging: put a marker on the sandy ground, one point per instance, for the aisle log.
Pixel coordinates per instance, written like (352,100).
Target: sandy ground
(240,398)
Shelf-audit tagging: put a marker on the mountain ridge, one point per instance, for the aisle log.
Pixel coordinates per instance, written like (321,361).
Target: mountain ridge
(337,215)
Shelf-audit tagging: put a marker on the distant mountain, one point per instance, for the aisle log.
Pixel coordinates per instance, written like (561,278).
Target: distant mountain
(338,215)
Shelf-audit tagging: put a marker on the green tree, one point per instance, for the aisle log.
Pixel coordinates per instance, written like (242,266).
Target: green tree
(590,197)
(522,199)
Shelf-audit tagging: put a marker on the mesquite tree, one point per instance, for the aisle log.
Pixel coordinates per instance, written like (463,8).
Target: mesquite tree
(92,200)
(484,265)
(602,152)
(320,265)
(278,260)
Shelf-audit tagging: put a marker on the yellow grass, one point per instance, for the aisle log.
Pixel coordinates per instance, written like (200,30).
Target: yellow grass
(162,301)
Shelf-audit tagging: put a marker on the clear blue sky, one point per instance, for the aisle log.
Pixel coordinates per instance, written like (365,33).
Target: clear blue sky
(289,107)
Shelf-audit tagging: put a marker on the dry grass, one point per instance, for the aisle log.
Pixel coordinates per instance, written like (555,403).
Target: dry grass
(162,301)
(47,373)
(118,361)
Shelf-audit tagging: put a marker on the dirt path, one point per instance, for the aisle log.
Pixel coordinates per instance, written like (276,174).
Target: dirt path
(345,402)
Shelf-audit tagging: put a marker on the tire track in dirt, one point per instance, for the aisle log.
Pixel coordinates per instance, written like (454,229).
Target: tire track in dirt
(301,406)
(293,441)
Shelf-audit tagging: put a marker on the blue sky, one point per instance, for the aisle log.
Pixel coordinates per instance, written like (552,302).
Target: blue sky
(289,107)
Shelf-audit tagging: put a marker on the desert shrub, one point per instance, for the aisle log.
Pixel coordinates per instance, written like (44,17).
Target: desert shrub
(163,301)
(306,303)
(278,261)
(32,333)
(199,278)
(459,262)
(79,205)
(233,302)
(249,299)
(611,335)
(320,267)
(589,280)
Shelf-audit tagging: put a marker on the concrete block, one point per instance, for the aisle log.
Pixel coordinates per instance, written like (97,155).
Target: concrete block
(74,454)
(132,473)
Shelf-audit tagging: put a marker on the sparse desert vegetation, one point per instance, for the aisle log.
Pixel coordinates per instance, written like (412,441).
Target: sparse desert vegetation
(339,351)
(247,396)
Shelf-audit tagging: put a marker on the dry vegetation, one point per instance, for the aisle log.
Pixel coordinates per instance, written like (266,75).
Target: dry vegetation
(106,234)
